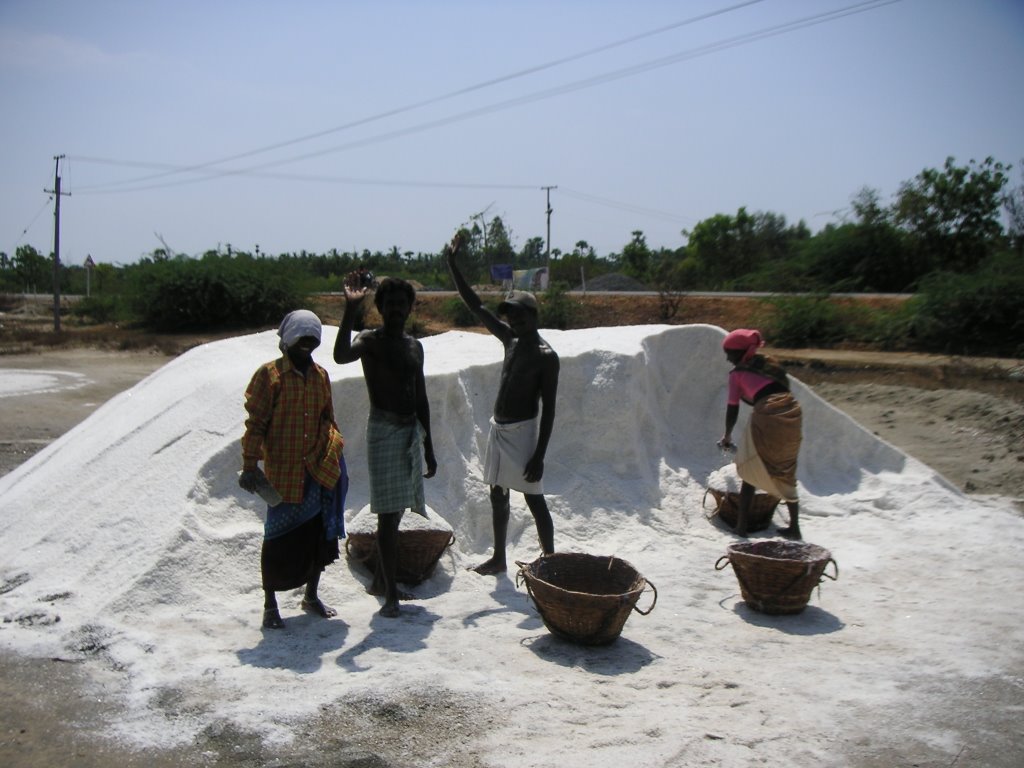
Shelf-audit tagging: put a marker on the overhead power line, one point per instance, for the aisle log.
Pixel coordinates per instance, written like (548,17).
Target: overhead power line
(721,45)
(169,170)
(33,221)
(323,179)
(673,218)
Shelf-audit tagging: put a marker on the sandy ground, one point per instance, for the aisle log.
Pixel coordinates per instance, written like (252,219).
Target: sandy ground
(51,712)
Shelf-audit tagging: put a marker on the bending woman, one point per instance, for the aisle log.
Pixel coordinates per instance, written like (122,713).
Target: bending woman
(767,453)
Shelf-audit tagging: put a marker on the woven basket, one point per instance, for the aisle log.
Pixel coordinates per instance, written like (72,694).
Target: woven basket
(727,506)
(419,550)
(778,576)
(584,598)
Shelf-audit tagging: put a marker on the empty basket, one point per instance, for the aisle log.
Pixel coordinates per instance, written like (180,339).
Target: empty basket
(584,598)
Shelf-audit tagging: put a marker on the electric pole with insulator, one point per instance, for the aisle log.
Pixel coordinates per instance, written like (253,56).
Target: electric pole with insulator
(549,211)
(56,240)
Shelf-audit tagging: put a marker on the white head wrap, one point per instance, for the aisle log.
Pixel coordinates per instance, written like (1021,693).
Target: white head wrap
(297,324)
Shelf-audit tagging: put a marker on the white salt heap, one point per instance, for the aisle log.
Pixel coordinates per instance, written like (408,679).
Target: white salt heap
(128,542)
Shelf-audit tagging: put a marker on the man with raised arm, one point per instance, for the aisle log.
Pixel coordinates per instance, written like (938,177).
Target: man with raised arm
(399,419)
(524,411)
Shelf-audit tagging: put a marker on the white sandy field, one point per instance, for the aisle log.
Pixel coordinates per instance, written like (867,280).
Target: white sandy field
(127,544)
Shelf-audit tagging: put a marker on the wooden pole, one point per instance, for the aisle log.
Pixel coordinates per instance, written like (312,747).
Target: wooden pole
(56,240)
(56,244)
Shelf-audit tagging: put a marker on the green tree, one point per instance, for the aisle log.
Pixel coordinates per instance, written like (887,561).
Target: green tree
(636,256)
(953,214)
(581,264)
(726,248)
(32,270)
(1013,203)
(499,249)
(713,245)
(867,206)
(859,257)
(534,253)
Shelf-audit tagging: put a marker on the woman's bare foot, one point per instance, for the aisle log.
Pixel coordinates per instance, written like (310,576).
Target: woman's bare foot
(272,619)
(489,567)
(390,610)
(317,606)
(791,532)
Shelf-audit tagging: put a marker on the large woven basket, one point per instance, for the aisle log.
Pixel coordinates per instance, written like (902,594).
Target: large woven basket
(778,576)
(419,551)
(584,598)
(727,506)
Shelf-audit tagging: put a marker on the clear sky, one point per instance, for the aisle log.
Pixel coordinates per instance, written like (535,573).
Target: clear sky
(352,125)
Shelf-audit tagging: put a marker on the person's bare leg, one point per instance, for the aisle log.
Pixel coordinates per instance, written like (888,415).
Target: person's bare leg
(792,531)
(271,615)
(499,521)
(542,517)
(743,513)
(387,547)
(311,602)
(376,587)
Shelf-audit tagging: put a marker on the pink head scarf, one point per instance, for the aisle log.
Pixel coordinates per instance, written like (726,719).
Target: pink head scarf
(745,340)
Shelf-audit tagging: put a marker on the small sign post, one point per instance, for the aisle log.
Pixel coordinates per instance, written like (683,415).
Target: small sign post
(89,265)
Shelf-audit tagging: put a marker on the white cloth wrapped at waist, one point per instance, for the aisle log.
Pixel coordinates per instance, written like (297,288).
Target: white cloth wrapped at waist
(509,448)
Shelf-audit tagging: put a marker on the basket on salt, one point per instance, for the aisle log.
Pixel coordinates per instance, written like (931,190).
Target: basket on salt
(727,505)
(778,576)
(421,543)
(584,598)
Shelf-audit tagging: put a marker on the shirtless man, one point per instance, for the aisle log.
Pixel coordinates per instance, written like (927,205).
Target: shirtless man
(399,419)
(518,439)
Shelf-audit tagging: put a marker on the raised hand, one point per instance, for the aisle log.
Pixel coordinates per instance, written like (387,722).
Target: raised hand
(452,249)
(354,290)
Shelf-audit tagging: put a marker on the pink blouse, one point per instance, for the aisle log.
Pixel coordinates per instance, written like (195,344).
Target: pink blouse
(744,385)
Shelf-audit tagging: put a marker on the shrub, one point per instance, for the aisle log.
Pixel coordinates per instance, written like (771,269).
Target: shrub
(557,309)
(455,311)
(972,314)
(98,309)
(213,292)
(808,321)
(891,329)
(414,326)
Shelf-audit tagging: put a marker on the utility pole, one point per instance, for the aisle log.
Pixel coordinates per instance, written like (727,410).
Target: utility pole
(56,240)
(549,211)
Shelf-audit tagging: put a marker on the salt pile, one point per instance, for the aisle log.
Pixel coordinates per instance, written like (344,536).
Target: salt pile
(128,543)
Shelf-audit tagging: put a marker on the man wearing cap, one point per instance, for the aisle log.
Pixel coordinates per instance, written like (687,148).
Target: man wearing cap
(524,411)
(292,429)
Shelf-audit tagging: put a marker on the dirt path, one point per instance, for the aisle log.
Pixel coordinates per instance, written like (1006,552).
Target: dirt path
(73,384)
